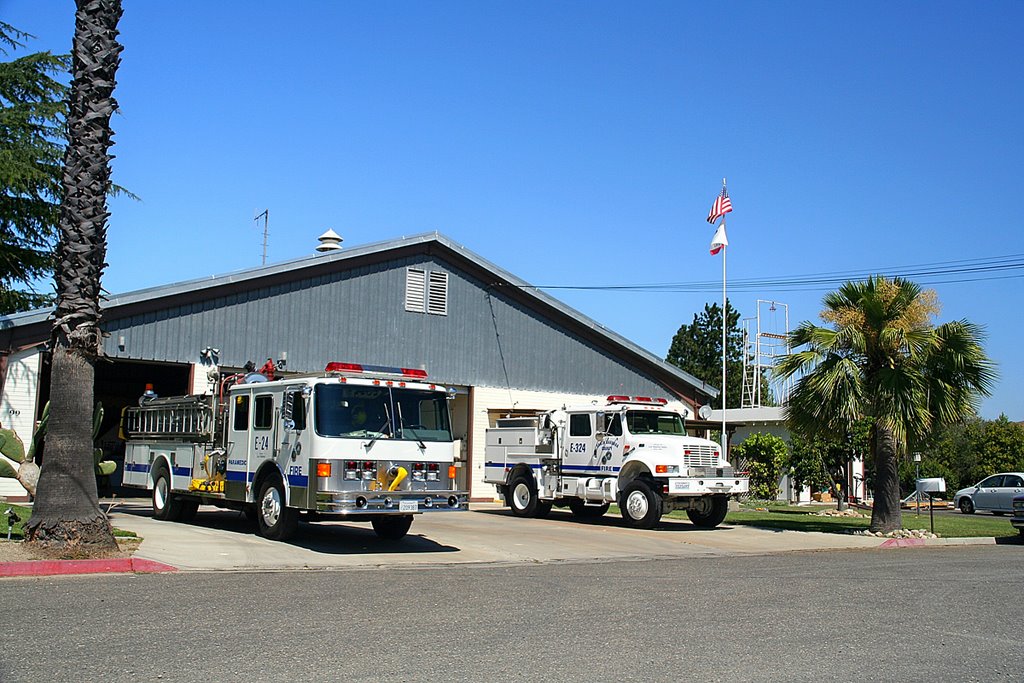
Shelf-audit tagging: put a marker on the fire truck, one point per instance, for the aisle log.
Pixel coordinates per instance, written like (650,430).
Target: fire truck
(357,442)
(632,451)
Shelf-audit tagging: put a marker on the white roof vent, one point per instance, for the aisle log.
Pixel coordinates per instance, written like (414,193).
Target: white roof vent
(329,241)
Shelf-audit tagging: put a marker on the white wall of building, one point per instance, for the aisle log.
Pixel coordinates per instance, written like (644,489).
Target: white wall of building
(18,406)
(770,420)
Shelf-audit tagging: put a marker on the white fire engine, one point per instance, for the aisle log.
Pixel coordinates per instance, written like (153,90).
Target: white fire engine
(358,442)
(633,451)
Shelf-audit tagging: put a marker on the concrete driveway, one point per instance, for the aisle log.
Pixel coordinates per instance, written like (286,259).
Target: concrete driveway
(489,534)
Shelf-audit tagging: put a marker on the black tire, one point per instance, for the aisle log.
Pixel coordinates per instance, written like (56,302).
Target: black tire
(584,511)
(166,506)
(392,528)
(522,497)
(640,505)
(711,512)
(967,506)
(275,520)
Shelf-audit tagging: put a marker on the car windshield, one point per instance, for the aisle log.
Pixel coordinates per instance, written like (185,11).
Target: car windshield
(358,412)
(650,422)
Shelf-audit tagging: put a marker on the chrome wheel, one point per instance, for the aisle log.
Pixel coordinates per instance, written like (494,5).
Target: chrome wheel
(270,506)
(637,505)
(160,491)
(640,504)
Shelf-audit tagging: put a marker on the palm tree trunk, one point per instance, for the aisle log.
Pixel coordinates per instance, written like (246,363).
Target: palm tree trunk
(886,515)
(66,515)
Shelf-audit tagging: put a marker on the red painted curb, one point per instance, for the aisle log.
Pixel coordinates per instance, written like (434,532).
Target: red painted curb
(902,542)
(59,567)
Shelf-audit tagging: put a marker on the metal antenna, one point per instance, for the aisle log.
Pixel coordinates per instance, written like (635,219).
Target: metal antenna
(266,218)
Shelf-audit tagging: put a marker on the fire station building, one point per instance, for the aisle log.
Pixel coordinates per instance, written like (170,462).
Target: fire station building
(422,302)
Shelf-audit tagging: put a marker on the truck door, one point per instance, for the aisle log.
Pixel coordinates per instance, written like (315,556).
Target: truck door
(292,443)
(236,477)
(580,445)
(609,448)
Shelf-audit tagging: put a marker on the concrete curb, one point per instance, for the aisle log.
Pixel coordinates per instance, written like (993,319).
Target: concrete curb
(921,542)
(64,567)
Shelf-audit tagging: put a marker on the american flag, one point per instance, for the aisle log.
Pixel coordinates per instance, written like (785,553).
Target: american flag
(722,206)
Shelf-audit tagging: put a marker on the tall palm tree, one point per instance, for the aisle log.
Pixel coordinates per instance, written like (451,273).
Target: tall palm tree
(880,356)
(66,513)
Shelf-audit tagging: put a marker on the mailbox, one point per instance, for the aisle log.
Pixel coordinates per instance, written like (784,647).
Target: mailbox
(931,486)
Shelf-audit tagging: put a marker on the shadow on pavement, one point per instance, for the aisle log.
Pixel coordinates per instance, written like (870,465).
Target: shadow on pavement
(1010,540)
(611,520)
(327,537)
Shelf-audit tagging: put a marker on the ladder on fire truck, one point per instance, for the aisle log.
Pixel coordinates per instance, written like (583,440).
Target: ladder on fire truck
(188,418)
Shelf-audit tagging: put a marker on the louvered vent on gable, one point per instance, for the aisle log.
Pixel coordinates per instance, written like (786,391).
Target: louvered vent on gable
(437,293)
(415,290)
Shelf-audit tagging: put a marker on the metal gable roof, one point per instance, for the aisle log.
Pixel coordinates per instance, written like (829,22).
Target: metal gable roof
(298,268)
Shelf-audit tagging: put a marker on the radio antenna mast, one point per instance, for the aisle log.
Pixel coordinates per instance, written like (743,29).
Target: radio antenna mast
(266,218)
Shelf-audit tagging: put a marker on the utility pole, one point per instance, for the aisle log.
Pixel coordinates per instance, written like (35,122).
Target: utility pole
(266,218)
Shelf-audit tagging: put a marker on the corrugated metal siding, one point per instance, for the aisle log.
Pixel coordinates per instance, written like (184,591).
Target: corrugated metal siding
(359,315)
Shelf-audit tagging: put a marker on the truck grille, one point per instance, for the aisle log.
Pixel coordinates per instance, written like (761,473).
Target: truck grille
(700,456)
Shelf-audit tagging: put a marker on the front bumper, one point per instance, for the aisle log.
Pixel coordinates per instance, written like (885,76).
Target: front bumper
(1017,521)
(703,486)
(376,503)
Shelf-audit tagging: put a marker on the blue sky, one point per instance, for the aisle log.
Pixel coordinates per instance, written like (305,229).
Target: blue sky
(578,144)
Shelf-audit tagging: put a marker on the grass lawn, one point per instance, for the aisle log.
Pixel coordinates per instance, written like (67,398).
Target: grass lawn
(947,524)
(19,527)
(25,512)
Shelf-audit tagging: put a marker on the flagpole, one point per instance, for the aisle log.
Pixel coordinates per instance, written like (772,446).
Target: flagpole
(720,242)
(725,252)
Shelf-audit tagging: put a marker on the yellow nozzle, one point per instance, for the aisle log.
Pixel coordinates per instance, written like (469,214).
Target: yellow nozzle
(400,474)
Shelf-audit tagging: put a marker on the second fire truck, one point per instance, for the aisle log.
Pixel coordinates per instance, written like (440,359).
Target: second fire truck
(632,451)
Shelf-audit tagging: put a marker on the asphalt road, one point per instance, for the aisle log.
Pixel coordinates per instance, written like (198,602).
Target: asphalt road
(914,614)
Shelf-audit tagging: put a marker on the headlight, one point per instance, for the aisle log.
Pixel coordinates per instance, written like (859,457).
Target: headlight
(666,469)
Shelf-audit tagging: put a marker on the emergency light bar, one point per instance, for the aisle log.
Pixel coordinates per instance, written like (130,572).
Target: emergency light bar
(359,369)
(637,399)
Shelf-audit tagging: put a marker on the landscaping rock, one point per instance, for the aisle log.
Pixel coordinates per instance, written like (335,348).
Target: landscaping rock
(899,533)
(837,513)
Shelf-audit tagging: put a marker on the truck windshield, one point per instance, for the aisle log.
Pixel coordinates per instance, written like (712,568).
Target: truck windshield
(360,412)
(649,422)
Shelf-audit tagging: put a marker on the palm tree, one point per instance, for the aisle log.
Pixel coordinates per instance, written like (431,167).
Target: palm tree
(881,357)
(66,513)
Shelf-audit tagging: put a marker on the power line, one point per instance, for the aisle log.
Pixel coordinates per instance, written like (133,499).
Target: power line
(940,272)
